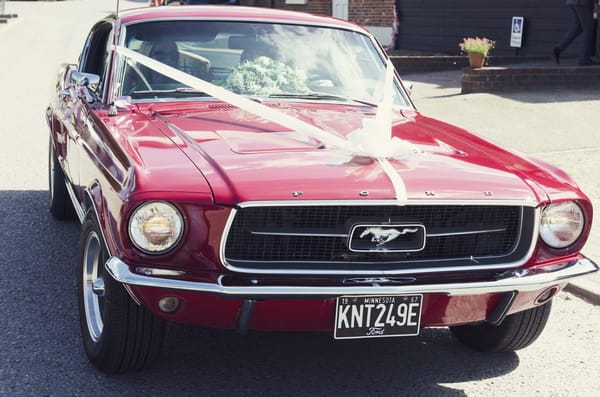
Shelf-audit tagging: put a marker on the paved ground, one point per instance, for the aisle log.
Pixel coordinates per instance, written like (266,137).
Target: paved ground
(41,351)
(560,126)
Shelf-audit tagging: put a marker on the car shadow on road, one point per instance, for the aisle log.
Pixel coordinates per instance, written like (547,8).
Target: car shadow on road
(314,364)
(42,339)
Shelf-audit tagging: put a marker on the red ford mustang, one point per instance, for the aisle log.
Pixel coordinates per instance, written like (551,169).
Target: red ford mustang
(256,169)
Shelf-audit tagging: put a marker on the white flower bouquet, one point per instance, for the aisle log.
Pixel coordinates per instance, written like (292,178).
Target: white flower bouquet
(264,76)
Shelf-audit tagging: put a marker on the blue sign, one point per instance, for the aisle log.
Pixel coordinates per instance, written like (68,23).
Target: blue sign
(516,34)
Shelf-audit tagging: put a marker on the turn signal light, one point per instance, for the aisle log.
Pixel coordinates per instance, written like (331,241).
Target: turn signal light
(168,304)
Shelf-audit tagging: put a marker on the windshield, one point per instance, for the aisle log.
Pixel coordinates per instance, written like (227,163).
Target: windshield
(265,60)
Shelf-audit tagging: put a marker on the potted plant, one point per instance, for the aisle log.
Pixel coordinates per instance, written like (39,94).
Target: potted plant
(477,49)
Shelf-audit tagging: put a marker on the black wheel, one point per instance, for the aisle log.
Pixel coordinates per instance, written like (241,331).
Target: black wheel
(517,331)
(61,206)
(118,335)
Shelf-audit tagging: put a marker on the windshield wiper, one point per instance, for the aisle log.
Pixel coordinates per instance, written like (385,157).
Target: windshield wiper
(321,95)
(180,90)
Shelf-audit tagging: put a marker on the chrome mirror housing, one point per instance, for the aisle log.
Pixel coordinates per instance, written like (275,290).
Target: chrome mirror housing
(88,81)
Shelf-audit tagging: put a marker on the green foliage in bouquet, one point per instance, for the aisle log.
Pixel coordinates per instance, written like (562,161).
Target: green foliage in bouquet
(264,76)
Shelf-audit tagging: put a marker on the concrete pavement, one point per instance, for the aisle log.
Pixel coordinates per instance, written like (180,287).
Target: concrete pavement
(559,126)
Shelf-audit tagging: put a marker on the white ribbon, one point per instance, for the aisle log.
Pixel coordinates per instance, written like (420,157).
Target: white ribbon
(294,124)
(374,140)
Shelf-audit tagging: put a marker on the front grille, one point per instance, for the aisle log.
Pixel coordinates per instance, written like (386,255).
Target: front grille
(316,237)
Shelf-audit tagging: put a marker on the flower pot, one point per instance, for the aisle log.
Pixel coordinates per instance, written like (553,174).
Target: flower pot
(476,60)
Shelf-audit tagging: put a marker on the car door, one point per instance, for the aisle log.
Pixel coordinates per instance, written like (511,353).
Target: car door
(64,106)
(82,138)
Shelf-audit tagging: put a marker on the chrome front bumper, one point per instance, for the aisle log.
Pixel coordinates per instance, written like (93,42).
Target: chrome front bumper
(520,280)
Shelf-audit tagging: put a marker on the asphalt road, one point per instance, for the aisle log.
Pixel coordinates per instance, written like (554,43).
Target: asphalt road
(40,349)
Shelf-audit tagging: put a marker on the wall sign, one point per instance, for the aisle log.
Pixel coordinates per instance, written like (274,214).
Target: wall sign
(516,34)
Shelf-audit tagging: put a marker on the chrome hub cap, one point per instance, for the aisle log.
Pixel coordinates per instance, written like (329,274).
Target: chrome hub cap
(98,287)
(93,286)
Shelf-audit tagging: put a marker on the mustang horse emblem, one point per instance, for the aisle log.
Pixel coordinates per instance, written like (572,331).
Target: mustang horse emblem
(383,236)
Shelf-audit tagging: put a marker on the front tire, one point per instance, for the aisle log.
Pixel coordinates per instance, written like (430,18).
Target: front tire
(118,335)
(517,331)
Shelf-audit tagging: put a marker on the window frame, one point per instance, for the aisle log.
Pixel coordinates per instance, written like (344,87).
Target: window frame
(96,56)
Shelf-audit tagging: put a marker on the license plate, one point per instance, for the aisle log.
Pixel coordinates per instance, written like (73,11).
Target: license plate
(377,316)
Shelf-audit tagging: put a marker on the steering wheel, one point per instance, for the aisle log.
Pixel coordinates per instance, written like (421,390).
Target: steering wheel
(139,74)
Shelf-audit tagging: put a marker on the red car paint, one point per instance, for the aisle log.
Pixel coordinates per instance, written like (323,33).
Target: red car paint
(206,157)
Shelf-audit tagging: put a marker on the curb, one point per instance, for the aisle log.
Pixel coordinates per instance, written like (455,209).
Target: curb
(584,289)
(524,77)
(407,64)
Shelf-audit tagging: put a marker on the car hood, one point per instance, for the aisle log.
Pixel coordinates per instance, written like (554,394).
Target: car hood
(245,158)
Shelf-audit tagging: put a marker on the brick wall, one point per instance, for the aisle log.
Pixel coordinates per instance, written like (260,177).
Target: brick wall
(361,12)
(322,7)
(419,64)
(499,78)
(371,12)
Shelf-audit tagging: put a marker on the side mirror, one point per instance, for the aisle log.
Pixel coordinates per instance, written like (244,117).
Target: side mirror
(89,82)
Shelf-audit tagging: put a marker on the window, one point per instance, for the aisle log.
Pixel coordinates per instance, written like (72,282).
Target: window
(95,56)
(257,59)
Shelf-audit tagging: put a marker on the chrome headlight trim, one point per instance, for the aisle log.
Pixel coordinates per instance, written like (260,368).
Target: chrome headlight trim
(155,227)
(561,224)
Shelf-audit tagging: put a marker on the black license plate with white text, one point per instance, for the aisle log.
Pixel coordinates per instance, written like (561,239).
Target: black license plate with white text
(377,316)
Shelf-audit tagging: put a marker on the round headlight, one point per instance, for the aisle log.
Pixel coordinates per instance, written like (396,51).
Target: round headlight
(155,227)
(561,224)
